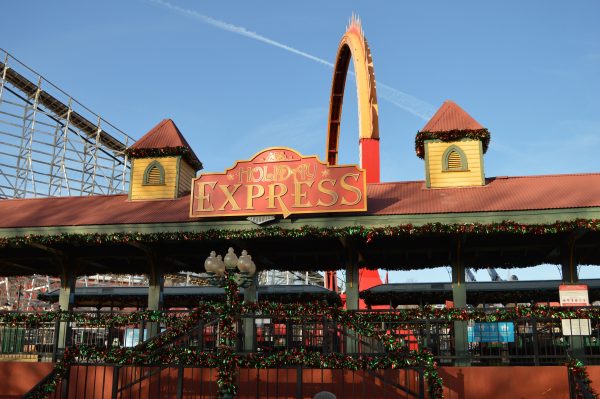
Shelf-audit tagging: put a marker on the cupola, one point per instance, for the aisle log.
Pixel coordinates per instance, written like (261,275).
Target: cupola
(162,164)
(452,144)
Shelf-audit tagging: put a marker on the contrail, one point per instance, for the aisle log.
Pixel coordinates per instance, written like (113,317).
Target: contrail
(398,98)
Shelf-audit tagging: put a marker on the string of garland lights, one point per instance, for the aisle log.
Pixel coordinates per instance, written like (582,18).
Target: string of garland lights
(579,371)
(451,135)
(367,233)
(299,312)
(207,310)
(226,360)
(164,152)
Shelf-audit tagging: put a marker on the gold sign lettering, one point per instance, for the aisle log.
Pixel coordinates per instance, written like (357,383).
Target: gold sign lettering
(260,190)
(352,188)
(229,197)
(300,195)
(203,198)
(272,196)
(327,191)
(279,181)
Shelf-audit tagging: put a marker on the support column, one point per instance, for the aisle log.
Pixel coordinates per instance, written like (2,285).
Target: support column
(352,290)
(250,296)
(570,276)
(459,297)
(568,262)
(155,296)
(66,301)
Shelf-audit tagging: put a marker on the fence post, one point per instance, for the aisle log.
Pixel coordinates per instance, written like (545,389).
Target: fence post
(180,383)
(335,342)
(64,385)
(289,335)
(536,349)
(299,394)
(427,342)
(55,340)
(572,390)
(141,333)
(421,383)
(326,334)
(201,339)
(115,382)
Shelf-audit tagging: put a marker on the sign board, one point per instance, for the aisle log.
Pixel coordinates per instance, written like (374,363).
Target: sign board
(573,295)
(279,181)
(576,327)
(491,332)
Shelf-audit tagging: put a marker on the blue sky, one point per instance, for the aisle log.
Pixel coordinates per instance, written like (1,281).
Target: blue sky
(231,76)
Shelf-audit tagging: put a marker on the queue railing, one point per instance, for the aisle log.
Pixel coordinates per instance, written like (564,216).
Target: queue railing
(521,341)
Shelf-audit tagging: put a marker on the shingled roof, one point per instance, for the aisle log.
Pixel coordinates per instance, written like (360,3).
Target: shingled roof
(451,117)
(167,138)
(451,123)
(403,198)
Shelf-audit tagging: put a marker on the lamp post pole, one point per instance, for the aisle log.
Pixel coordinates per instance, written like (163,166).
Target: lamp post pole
(230,273)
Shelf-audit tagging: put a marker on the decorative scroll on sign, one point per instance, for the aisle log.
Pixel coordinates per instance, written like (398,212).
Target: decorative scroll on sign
(279,181)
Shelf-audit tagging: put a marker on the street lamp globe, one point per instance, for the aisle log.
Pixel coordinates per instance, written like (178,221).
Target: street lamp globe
(231,260)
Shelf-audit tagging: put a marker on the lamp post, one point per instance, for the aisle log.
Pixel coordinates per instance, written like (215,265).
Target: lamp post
(242,269)
(230,273)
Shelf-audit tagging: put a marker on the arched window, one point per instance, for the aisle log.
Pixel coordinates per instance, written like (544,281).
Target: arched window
(154,175)
(454,159)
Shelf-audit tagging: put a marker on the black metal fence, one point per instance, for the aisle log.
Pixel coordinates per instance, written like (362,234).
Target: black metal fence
(524,341)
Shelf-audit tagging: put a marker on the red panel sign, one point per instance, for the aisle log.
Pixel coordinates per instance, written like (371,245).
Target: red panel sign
(279,181)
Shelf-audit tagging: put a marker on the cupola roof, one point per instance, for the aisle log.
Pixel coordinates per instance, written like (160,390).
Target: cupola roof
(451,116)
(451,123)
(164,139)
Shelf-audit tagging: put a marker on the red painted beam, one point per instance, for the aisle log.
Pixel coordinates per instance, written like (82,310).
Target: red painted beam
(369,158)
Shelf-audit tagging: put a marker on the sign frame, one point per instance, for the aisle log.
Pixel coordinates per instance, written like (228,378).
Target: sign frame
(361,185)
(574,295)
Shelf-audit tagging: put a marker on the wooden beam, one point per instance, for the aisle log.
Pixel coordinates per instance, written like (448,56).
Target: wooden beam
(572,238)
(45,248)
(178,263)
(6,263)
(92,263)
(142,248)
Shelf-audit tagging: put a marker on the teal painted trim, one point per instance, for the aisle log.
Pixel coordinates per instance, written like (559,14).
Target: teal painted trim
(130,179)
(427,170)
(464,165)
(481,163)
(161,171)
(177,166)
(525,217)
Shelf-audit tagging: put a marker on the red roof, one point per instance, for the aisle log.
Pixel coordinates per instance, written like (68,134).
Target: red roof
(499,194)
(165,134)
(451,117)
(404,198)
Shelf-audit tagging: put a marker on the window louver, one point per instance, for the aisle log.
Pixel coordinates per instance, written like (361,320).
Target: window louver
(153,176)
(454,161)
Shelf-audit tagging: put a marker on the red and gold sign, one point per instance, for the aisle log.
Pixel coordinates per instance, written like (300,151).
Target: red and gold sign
(279,181)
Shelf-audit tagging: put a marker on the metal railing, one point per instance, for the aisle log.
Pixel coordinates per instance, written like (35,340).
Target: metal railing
(526,341)
(23,339)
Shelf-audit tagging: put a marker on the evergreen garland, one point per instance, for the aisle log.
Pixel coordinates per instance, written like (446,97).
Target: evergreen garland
(165,152)
(227,361)
(309,232)
(451,135)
